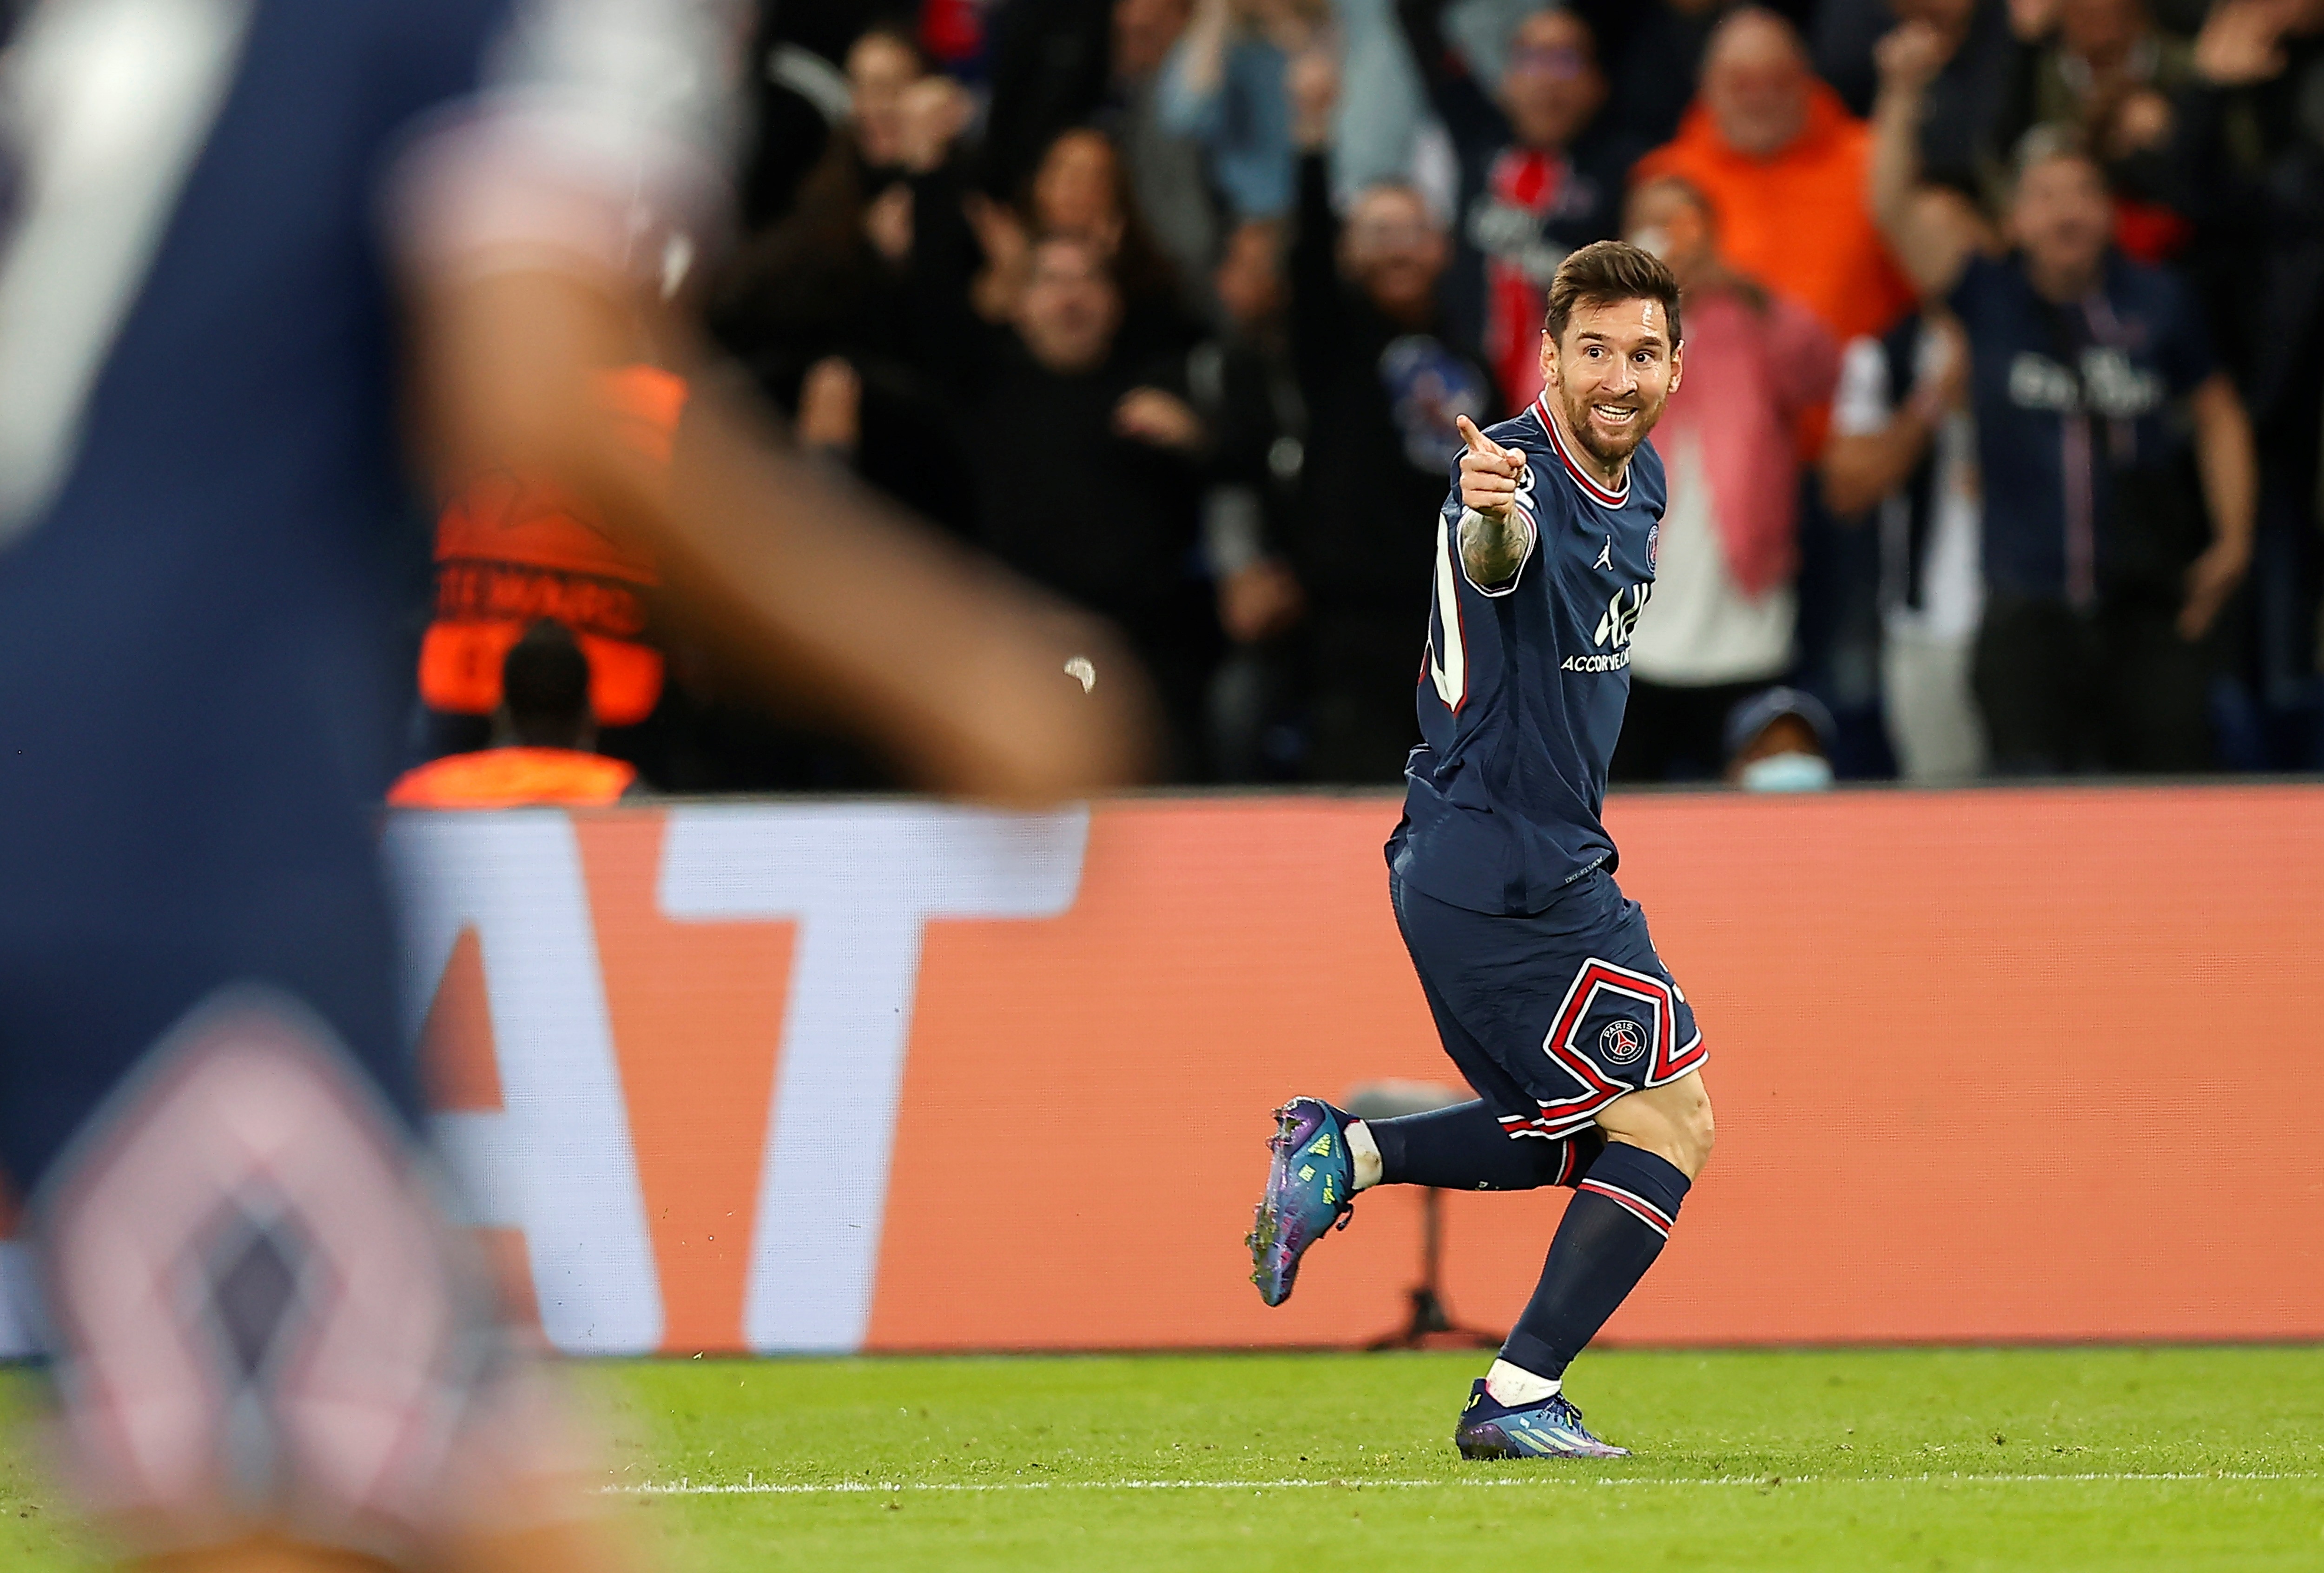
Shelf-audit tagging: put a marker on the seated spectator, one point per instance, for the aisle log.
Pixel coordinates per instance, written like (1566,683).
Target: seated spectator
(1721,622)
(512,549)
(1782,162)
(2087,371)
(1540,175)
(1903,453)
(2104,70)
(1086,464)
(1780,741)
(1381,384)
(544,743)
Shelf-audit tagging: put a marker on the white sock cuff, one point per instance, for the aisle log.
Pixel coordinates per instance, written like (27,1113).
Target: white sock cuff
(1364,1155)
(1514,1386)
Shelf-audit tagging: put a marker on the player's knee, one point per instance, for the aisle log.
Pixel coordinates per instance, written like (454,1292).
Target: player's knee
(1673,1123)
(1699,1133)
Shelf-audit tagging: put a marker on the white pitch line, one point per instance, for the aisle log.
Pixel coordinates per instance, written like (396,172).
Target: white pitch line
(852,1487)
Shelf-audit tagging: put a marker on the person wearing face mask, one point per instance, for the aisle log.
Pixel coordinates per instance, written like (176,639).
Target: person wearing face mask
(1780,741)
(1725,609)
(1541,173)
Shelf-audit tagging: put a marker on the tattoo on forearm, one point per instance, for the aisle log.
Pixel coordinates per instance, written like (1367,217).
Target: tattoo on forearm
(1492,549)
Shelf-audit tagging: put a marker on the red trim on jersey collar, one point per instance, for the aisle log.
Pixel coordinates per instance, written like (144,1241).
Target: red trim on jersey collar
(1591,487)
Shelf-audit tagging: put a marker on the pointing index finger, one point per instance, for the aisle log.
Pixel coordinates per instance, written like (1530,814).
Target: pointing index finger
(1477,440)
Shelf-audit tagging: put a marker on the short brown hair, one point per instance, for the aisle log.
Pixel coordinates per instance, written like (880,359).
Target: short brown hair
(1605,272)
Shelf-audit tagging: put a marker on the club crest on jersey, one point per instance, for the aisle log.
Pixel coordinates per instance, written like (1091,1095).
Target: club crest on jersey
(1654,546)
(1622,1042)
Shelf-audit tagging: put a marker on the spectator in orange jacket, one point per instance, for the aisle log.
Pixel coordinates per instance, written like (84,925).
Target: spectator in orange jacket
(1782,163)
(545,739)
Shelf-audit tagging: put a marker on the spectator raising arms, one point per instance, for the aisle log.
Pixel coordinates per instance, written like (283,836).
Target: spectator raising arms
(1540,175)
(2252,145)
(1783,164)
(2103,69)
(1085,464)
(1903,453)
(1382,387)
(2089,654)
(1223,87)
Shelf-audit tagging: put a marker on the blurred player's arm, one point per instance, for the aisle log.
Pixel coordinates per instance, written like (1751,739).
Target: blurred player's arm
(1933,252)
(960,674)
(1495,534)
(533,227)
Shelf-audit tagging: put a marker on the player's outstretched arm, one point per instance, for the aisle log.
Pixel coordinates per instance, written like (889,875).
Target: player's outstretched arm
(960,673)
(1494,533)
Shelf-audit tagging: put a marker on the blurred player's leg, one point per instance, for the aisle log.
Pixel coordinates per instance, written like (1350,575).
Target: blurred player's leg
(270,1348)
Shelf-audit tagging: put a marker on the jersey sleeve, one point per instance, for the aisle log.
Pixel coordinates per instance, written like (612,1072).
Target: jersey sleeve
(1863,402)
(1457,517)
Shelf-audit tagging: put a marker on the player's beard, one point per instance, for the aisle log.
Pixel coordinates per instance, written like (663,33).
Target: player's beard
(1612,450)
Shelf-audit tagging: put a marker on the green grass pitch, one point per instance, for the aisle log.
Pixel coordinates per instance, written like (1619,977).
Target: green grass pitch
(1935,1459)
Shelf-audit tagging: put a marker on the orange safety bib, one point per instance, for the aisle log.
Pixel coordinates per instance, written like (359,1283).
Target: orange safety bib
(508,778)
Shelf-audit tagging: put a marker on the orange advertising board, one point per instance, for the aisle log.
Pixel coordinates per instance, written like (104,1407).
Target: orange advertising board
(1996,1065)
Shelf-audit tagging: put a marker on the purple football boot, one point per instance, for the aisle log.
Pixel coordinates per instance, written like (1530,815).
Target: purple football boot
(1552,1429)
(1311,1182)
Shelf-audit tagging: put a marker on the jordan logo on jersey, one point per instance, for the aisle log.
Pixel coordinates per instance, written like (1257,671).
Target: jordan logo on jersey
(1605,559)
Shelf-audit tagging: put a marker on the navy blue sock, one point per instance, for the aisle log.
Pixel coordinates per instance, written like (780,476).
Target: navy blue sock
(1613,1229)
(1465,1148)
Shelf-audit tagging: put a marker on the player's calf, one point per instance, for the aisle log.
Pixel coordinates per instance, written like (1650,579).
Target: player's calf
(1622,1213)
(1322,1158)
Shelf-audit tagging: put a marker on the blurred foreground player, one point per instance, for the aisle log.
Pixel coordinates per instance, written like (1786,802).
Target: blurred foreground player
(271,1352)
(1542,980)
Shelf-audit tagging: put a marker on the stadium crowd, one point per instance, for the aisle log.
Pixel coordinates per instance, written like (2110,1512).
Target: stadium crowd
(1997,442)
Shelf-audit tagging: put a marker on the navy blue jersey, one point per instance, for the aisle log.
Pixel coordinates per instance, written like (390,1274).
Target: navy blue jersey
(2072,404)
(1524,685)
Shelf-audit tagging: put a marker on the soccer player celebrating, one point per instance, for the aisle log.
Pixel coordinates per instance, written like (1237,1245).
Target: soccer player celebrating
(1543,980)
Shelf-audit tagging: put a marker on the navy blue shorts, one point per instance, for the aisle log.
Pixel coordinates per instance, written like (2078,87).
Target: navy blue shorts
(1550,1015)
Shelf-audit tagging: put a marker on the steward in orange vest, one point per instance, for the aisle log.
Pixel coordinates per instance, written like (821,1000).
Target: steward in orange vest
(546,757)
(512,549)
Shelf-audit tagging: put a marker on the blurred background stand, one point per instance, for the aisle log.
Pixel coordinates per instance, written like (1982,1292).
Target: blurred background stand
(1430,1325)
